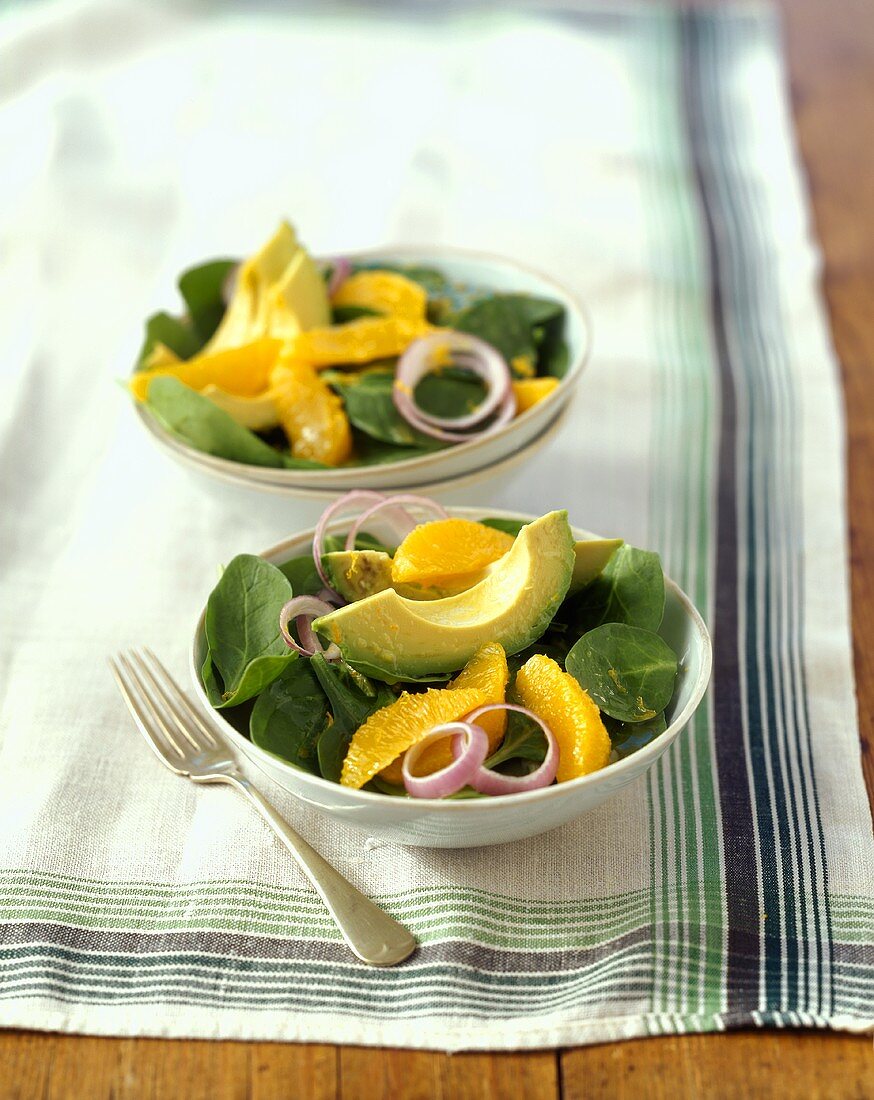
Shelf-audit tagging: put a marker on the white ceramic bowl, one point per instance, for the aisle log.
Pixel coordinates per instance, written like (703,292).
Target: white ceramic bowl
(475,822)
(307,504)
(475,269)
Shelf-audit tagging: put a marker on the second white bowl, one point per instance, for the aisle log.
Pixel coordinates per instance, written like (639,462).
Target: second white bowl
(469,823)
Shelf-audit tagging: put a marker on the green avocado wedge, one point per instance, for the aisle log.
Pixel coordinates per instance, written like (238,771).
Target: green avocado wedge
(356,574)
(513,605)
(591,556)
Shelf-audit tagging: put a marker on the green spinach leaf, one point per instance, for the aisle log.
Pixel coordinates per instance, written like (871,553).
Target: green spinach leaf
(341,314)
(289,716)
(629,672)
(176,334)
(450,392)
(523,740)
(301,572)
(519,325)
(211,681)
(242,627)
(205,426)
(202,289)
(630,589)
(352,699)
(627,737)
(371,409)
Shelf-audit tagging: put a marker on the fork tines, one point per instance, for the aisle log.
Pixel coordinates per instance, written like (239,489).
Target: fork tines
(160,709)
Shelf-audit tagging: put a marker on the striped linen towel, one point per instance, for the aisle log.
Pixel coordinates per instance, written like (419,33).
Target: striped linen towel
(645,158)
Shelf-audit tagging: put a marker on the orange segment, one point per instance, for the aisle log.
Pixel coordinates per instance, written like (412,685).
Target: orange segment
(359,341)
(386,292)
(531,390)
(243,371)
(557,698)
(392,730)
(311,414)
(487,672)
(447,550)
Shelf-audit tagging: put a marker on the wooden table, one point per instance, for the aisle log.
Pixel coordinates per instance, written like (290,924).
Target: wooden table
(830,45)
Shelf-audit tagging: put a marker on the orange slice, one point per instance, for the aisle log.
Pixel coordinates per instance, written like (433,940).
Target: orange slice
(447,551)
(531,390)
(392,730)
(386,292)
(568,710)
(311,414)
(244,371)
(359,341)
(487,672)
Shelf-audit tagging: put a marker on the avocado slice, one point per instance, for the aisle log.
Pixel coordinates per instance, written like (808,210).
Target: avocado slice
(279,292)
(357,574)
(591,556)
(389,636)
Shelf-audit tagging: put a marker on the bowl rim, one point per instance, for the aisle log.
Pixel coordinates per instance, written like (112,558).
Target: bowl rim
(632,765)
(215,464)
(329,492)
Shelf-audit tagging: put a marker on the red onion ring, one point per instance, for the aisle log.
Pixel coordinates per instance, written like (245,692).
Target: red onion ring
(340,272)
(393,501)
(487,781)
(474,355)
(303,609)
(470,745)
(341,504)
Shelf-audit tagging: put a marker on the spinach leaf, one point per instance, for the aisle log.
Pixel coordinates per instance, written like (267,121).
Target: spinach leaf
(202,288)
(499,322)
(177,335)
(242,627)
(205,426)
(301,572)
(451,392)
(211,681)
(629,672)
(371,409)
(627,737)
(352,698)
(341,314)
(432,280)
(630,589)
(523,740)
(289,716)
(519,325)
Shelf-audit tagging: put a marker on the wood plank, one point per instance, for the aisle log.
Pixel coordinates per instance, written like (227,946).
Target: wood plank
(367,1074)
(64,1067)
(747,1065)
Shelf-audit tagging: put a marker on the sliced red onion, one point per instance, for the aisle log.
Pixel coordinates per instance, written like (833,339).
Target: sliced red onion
(487,781)
(343,503)
(340,272)
(303,609)
(330,596)
(470,745)
(394,502)
(474,355)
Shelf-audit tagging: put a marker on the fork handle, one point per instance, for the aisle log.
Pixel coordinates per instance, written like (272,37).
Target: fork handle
(374,936)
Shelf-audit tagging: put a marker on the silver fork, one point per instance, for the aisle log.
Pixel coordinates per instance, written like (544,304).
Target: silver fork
(181,740)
